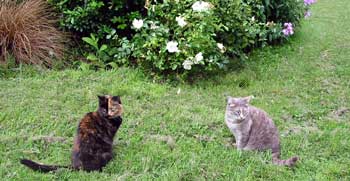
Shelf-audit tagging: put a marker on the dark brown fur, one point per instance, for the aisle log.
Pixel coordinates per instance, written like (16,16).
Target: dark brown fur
(92,148)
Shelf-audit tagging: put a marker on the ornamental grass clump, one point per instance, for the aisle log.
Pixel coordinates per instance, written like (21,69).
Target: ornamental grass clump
(28,33)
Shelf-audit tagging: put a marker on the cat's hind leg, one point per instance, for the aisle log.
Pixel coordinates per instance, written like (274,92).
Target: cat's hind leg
(105,158)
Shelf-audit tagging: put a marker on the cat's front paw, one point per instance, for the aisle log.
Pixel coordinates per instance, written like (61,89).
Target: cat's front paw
(230,143)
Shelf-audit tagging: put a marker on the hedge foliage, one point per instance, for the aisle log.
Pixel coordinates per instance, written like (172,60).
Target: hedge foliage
(178,36)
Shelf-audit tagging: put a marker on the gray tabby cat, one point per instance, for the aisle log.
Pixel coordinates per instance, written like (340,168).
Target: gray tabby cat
(254,129)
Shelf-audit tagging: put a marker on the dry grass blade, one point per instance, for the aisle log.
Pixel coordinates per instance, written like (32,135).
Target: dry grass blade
(27,31)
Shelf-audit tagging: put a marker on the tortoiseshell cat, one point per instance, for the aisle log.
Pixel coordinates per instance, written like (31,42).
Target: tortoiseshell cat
(254,129)
(92,147)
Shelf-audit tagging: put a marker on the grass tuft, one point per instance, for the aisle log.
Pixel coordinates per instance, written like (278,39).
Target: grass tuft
(28,33)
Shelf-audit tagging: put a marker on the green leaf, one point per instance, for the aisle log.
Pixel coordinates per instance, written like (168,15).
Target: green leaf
(91,41)
(84,66)
(113,31)
(122,26)
(113,65)
(174,66)
(103,47)
(92,57)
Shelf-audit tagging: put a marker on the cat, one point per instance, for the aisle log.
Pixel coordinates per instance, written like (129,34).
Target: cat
(92,148)
(254,129)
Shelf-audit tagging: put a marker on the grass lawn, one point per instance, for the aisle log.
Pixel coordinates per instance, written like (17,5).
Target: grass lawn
(304,85)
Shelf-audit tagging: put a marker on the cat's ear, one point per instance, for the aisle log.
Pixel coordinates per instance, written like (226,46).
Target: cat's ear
(101,99)
(117,98)
(230,101)
(248,99)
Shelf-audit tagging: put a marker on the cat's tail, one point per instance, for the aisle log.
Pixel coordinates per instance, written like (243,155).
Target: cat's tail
(277,161)
(289,162)
(40,167)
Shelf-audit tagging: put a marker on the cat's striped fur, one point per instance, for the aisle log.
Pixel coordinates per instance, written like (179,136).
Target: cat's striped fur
(254,129)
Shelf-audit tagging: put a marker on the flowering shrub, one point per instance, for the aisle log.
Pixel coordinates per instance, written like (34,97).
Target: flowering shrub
(284,10)
(244,25)
(185,37)
(179,39)
(204,37)
(83,17)
(104,25)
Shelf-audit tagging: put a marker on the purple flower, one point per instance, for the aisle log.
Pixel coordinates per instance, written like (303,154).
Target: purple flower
(309,2)
(291,32)
(288,29)
(288,25)
(307,14)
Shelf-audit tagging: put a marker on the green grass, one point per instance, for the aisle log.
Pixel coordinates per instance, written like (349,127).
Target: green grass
(304,85)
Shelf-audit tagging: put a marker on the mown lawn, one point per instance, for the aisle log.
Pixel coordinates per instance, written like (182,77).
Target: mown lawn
(304,86)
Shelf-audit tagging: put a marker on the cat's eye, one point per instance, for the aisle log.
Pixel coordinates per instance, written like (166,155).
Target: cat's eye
(238,112)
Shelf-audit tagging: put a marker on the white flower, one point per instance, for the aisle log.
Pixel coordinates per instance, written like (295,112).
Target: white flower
(171,46)
(187,64)
(270,23)
(253,18)
(181,21)
(153,25)
(201,6)
(198,58)
(137,24)
(221,47)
